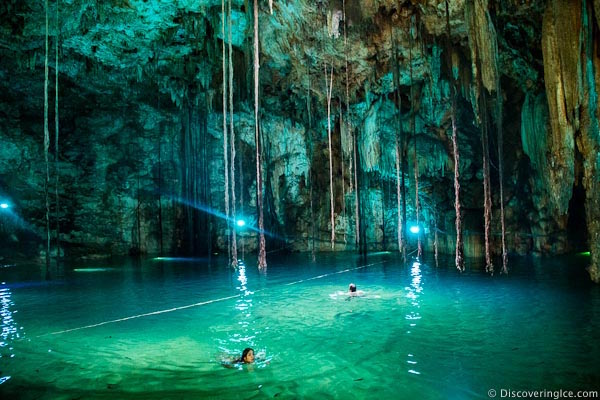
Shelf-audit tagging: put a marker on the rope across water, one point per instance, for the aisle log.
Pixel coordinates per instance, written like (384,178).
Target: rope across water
(202,303)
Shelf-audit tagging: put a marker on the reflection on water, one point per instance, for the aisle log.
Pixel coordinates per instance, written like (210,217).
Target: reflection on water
(245,331)
(244,305)
(10,331)
(413,293)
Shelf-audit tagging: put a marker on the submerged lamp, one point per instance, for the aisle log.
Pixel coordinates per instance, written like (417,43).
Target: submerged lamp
(4,205)
(240,223)
(415,229)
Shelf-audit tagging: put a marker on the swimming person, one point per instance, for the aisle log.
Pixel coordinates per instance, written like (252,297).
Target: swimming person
(353,292)
(247,356)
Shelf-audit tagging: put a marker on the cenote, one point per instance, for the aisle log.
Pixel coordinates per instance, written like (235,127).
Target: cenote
(184,179)
(161,329)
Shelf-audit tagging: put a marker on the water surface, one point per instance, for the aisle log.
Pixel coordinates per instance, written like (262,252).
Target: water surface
(162,329)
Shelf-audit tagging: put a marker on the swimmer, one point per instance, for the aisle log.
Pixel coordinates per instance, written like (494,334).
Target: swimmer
(247,357)
(353,292)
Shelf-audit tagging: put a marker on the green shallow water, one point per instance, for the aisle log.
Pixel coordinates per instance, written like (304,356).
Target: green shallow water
(161,329)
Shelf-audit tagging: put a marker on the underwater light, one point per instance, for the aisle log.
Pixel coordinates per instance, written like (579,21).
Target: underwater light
(190,259)
(415,229)
(585,253)
(240,223)
(4,205)
(93,269)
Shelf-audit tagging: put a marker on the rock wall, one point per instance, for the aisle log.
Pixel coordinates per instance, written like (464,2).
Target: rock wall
(140,158)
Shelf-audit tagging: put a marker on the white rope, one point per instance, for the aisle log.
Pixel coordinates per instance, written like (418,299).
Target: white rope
(141,315)
(333,273)
(199,304)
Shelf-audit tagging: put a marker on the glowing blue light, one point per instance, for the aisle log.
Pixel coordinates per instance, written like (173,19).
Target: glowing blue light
(240,223)
(4,205)
(415,229)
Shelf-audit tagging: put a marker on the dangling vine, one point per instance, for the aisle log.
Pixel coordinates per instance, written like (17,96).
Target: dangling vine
(352,161)
(46,146)
(329,89)
(459,252)
(56,168)
(435,239)
(234,255)
(159,136)
(398,98)
(477,16)
(414,135)
(501,175)
(225,145)
(499,120)
(342,169)
(487,201)
(262,257)
(310,173)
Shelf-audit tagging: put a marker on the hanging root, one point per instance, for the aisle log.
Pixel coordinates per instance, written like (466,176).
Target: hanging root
(329,89)
(262,256)
(46,146)
(225,146)
(234,255)
(459,253)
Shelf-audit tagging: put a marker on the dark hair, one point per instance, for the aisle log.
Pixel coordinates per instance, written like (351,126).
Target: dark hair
(242,359)
(352,287)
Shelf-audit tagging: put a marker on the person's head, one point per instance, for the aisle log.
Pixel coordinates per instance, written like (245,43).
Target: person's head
(352,288)
(248,355)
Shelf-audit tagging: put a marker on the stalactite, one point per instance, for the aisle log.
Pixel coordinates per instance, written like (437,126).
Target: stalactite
(46,146)
(225,145)
(262,258)
(56,132)
(271,6)
(459,251)
(329,89)
(563,83)
(414,136)
(587,143)
(234,255)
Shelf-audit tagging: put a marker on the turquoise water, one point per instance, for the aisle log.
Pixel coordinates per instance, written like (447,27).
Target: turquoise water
(161,329)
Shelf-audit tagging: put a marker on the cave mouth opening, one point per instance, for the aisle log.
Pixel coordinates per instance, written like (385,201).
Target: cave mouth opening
(576,225)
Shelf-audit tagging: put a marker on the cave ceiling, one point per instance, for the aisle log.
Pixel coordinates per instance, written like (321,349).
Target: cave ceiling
(121,53)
